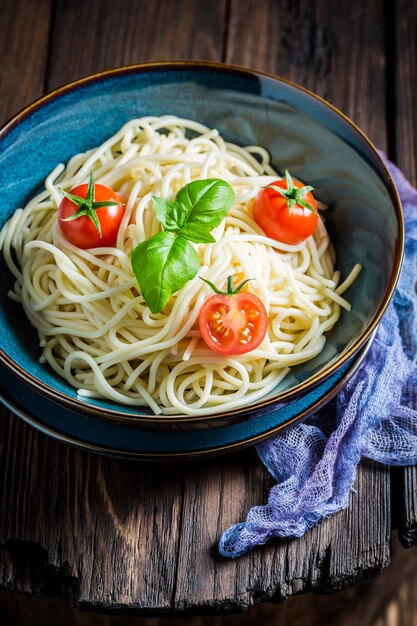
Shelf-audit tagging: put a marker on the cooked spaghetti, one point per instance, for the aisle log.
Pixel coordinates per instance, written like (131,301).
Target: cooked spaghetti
(94,326)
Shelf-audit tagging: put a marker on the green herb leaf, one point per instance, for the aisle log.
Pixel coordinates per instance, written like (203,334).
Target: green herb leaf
(162,265)
(205,203)
(167,212)
(166,261)
(199,207)
(197,233)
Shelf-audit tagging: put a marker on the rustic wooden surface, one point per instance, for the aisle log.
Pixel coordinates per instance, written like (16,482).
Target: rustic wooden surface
(387,600)
(404,134)
(112,536)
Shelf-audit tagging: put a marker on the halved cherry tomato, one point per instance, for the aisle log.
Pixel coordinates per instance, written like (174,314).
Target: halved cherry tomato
(290,216)
(83,231)
(233,323)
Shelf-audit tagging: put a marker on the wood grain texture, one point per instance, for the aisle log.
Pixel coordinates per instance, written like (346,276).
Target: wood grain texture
(387,600)
(403,107)
(408,507)
(110,33)
(335,49)
(341,551)
(109,535)
(404,87)
(112,536)
(84,529)
(24,37)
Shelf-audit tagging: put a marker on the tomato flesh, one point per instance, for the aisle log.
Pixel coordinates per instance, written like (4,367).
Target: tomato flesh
(81,232)
(271,212)
(233,324)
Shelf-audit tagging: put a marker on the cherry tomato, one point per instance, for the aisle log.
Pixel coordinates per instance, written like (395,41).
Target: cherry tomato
(82,231)
(282,217)
(233,324)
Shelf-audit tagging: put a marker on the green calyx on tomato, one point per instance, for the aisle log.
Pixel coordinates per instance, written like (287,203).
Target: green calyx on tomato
(86,207)
(286,210)
(232,322)
(230,291)
(294,195)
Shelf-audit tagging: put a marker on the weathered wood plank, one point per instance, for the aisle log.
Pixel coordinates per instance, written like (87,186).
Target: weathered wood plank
(407,518)
(403,89)
(84,529)
(335,49)
(388,600)
(345,549)
(24,34)
(111,34)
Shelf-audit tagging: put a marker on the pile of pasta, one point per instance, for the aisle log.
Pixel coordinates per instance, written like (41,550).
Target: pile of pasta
(96,331)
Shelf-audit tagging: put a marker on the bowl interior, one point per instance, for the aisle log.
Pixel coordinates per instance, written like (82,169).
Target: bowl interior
(302,134)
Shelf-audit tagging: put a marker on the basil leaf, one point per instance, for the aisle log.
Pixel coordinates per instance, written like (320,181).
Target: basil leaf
(197,233)
(204,202)
(167,212)
(162,265)
(166,261)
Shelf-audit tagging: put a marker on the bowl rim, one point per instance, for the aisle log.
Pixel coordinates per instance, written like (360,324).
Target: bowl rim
(190,453)
(285,395)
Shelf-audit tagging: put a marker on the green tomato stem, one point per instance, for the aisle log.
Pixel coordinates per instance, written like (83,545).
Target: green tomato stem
(87,206)
(294,195)
(230,291)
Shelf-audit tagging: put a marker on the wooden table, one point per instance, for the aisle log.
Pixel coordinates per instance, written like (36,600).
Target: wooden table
(110,535)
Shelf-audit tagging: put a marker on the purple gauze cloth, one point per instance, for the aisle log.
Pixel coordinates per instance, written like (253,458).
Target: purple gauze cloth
(374,416)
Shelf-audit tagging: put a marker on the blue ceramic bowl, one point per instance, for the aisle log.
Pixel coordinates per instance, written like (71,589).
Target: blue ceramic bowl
(303,133)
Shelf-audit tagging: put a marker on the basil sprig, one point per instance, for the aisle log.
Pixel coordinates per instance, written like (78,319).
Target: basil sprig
(166,261)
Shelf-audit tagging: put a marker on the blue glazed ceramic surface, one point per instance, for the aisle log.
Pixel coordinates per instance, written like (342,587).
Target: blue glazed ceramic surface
(121,439)
(302,133)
